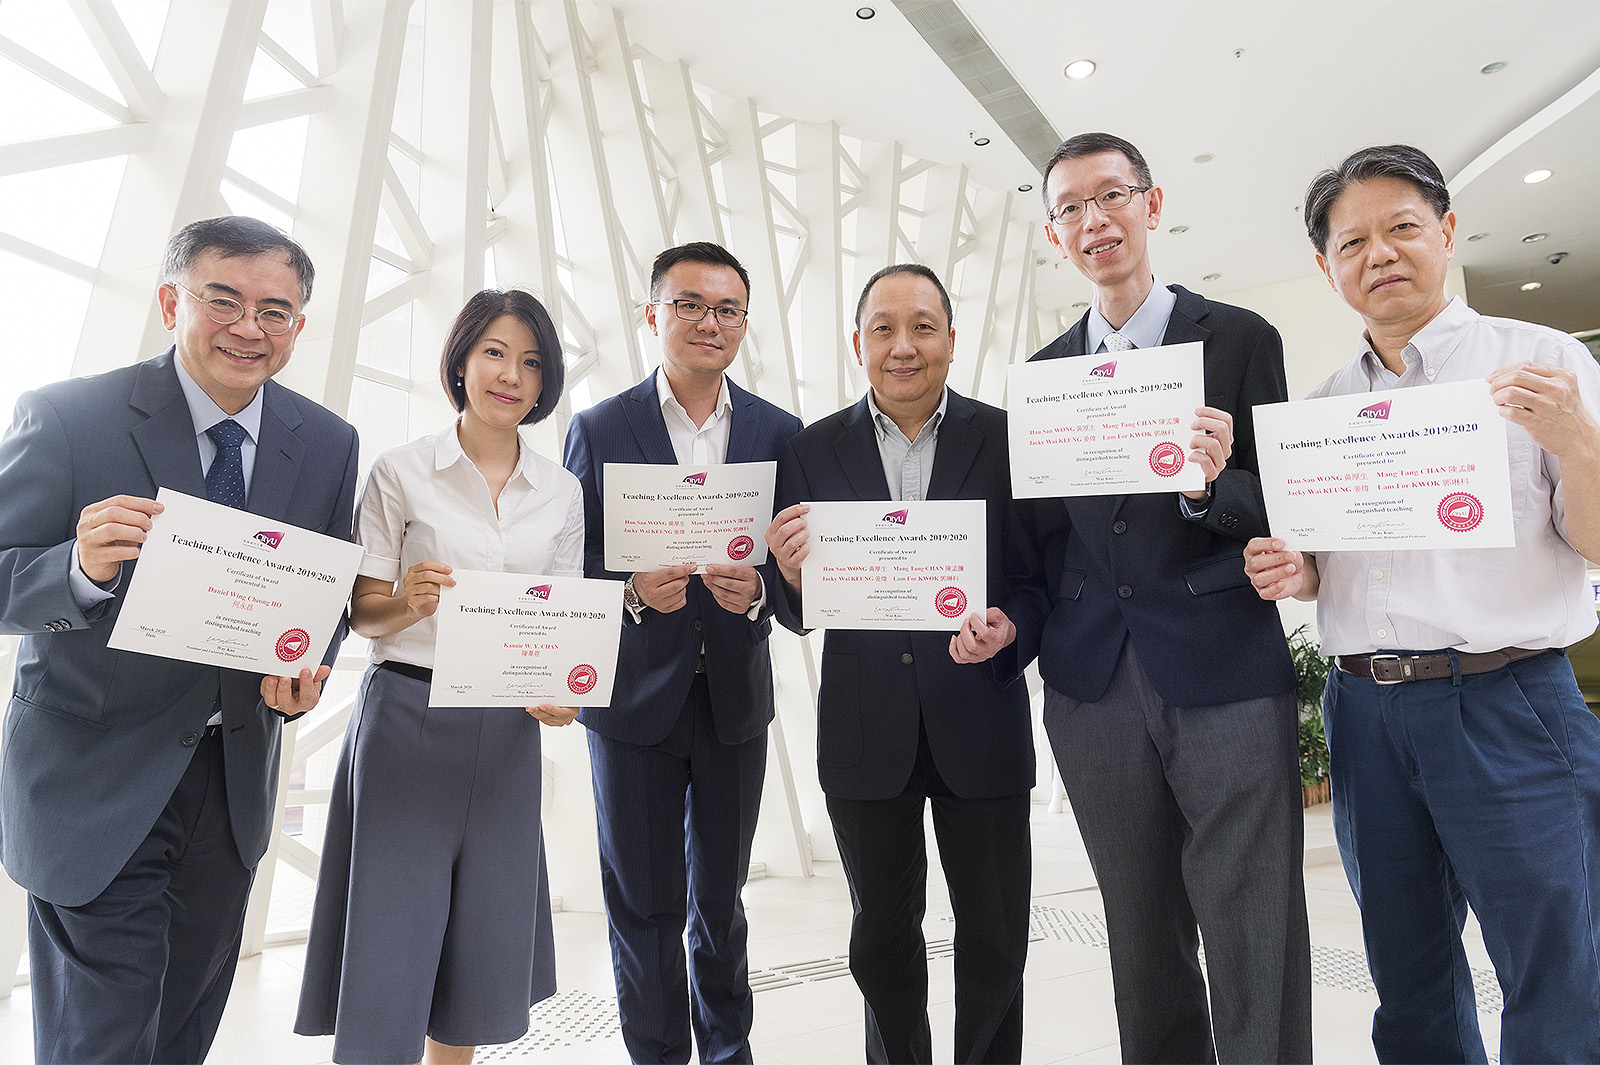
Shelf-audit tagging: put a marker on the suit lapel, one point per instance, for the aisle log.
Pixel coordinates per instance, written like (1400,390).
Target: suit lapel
(643,411)
(857,451)
(166,440)
(1184,326)
(957,449)
(278,455)
(742,429)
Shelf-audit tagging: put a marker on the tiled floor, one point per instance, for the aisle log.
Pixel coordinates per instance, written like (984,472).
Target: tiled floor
(1070,1016)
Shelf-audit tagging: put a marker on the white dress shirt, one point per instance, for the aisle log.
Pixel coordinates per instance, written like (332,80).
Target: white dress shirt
(1145,329)
(426,501)
(1535,594)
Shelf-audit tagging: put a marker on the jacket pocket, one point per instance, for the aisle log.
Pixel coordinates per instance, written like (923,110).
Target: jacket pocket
(1217,574)
(1071,583)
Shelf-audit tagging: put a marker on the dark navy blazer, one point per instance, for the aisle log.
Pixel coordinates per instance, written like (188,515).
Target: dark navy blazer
(1132,567)
(658,655)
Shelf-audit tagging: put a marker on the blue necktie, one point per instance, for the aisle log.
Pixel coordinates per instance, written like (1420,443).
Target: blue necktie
(225,479)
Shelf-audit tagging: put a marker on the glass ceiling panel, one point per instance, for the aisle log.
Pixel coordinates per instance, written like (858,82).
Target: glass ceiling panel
(268,78)
(288,22)
(272,155)
(42,343)
(50,31)
(145,19)
(35,109)
(66,209)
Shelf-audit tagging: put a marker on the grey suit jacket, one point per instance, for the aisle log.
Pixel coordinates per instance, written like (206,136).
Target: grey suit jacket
(95,740)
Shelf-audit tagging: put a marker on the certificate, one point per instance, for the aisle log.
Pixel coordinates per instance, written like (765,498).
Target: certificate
(224,587)
(521,639)
(884,565)
(659,515)
(1105,424)
(1407,468)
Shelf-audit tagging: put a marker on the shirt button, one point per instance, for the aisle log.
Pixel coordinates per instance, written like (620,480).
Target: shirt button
(1383,634)
(190,739)
(1430,371)
(905,659)
(1377,574)
(1119,526)
(1124,591)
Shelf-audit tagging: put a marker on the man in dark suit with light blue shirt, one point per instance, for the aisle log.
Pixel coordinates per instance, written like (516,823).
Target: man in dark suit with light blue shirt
(1169,693)
(137,792)
(679,756)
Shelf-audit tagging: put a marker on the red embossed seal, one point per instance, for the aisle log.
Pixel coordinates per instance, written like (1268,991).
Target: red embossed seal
(1460,512)
(582,679)
(1166,458)
(293,644)
(739,548)
(951,602)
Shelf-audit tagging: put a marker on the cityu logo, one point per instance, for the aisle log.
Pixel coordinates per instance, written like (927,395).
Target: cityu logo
(696,479)
(895,517)
(271,539)
(1105,369)
(1377,410)
(539,591)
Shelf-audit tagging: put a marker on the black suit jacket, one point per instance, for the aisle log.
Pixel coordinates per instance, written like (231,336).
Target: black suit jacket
(880,687)
(1132,567)
(657,657)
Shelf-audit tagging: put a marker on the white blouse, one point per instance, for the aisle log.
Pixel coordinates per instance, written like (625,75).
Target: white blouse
(426,501)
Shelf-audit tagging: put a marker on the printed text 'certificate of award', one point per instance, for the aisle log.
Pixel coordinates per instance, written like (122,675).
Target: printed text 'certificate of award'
(885,565)
(1105,424)
(225,587)
(520,639)
(1419,467)
(681,515)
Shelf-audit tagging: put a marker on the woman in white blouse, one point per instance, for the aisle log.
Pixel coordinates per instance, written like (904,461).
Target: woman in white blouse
(432,916)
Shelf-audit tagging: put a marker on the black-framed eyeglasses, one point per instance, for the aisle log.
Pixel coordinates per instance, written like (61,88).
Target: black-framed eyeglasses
(695,311)
(220,309)
(1117,196)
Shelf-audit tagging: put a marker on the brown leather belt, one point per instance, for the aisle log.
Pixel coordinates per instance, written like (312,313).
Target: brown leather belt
(1399,669)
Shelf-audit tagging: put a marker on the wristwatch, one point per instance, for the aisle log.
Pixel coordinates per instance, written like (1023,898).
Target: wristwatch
(630,598)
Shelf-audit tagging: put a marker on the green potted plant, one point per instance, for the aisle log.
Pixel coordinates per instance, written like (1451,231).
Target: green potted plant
(1312,670)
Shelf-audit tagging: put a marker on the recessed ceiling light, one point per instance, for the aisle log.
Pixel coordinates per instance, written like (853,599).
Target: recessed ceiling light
(1492,68)
(980,141)
(1211,277)
(1080,305)
(1477,237)
(1534,238)
(865,13)
(1531,285)
(1024,188)
(1178,229)
(1204,157)
(1535,177)
(1079,69)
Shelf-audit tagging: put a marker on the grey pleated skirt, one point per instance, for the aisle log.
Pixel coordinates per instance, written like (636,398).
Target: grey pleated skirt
(432,913)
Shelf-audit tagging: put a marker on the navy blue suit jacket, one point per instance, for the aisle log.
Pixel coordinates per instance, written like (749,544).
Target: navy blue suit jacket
(657,658)
(1132,567)
(880,687)
(95,738)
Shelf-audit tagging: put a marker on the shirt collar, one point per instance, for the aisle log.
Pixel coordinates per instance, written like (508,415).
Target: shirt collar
(1148,326)
(205,413)
(447,452)
(882,423)
(1432,345)
(665,397)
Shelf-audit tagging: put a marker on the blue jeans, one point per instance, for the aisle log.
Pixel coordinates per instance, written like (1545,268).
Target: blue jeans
(1476,790)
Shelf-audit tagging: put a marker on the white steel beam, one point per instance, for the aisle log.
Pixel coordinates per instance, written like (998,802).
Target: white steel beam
(114,45)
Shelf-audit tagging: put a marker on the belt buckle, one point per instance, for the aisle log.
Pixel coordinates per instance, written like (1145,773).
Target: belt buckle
(1372,661)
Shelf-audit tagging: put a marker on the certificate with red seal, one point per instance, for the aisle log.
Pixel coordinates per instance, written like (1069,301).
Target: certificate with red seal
(524,639)
(1408,468)
(1107,424)
(885,565)
(659,515)
(224,587)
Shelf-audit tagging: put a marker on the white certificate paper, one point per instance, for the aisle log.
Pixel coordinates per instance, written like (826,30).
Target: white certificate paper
(522,639)
(224,587)
(885,565)
(659,515)
(1105,424)
(1407,468)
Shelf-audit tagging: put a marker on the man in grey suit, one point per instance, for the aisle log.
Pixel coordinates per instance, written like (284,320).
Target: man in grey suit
(136,795)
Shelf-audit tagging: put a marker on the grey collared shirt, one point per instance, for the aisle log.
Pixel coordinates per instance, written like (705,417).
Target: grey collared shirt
(907,464)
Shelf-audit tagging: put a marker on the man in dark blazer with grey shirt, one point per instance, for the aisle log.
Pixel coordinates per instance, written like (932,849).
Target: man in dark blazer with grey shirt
(1169,697)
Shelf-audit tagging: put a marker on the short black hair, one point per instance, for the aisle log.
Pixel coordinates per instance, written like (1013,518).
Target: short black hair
(906,268)
(697,251)
(231,236)
(474,320)
(1380,161)
(1093,144)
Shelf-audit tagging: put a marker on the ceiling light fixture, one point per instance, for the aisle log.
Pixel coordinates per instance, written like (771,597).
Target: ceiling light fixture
(1477,237)
(1534,238)
(1204,157)
(1211,277)
(1178,229)
(1079,69)
(1024,188)
(1535,177)
(980,141)
(1492,68)
(1080,305)
(1531,285)
(864,13)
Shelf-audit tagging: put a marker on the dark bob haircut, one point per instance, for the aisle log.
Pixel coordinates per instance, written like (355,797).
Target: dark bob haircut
(1093,144)
(916,269)
(231,236)
(699,251)
(1382,161)
(474,320)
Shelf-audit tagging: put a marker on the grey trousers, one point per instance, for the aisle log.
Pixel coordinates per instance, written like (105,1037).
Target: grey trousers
(1192,820)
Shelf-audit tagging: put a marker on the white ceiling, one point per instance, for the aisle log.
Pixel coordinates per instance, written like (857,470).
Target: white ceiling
(1273,89)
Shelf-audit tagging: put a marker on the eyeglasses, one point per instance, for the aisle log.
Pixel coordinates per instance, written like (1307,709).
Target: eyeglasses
(695,311)
(1071,212)
(223,311)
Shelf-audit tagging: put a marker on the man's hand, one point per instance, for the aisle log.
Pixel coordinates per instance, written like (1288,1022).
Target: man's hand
(736,588)
(294,695)
(553,715)
(1545,401)
(1211,444)
(982,636)
(422,585)
(788,538)
(663,590)
(110,533)
(1278,574)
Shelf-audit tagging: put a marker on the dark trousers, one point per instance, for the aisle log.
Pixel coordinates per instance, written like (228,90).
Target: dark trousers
(984,846)
(1192,820)
(141,973)
(676,820)
(1480,790)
